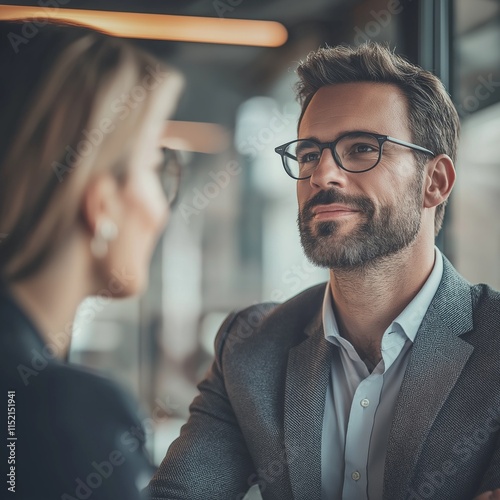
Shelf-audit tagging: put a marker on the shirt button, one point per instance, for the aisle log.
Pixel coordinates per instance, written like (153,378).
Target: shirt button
(356,475)
(364,403)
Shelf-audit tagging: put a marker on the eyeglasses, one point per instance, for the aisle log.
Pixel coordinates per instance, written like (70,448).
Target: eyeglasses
(354,152)
(170,174)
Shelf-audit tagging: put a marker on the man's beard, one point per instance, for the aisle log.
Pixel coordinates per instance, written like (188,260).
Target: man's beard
(379,235)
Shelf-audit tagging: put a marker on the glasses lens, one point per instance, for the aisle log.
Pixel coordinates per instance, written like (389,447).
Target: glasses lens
(301,158)
(358,152)
(170,174)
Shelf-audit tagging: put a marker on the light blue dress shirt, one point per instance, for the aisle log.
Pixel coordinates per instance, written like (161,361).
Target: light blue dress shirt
(359,405)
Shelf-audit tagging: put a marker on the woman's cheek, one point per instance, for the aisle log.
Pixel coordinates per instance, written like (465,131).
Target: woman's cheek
(151,202)
(143,218)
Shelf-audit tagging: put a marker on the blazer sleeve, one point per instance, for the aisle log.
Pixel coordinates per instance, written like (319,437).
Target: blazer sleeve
(210,459)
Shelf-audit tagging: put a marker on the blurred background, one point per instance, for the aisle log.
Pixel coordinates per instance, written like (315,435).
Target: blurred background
(233,240)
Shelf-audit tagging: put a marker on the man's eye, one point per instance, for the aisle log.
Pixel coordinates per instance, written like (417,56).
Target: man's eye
(364,148)
(308,157)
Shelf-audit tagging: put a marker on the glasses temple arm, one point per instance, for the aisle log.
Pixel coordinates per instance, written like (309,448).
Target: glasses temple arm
(410,145)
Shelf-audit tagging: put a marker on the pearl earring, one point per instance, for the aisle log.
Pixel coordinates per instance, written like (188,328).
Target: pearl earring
(106,231)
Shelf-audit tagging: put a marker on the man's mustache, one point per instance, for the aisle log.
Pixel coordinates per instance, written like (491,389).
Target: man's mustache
(359,203)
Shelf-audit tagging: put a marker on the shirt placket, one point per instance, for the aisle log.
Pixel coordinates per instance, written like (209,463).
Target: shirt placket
(359,429)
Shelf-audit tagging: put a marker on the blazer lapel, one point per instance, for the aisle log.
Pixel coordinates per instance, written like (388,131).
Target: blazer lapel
(437,359)
(308,370)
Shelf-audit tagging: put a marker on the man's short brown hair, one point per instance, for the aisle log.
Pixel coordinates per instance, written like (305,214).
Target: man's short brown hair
(432,117)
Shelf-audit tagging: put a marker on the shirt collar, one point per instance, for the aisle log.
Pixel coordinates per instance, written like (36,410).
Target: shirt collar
(408,320)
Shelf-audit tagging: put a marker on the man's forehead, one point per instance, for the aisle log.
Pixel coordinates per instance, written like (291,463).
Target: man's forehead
(367,106)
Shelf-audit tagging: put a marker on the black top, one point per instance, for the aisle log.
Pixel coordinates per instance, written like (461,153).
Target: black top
(66,432)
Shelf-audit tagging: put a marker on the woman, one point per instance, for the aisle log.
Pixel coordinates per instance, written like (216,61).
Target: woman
(81,209)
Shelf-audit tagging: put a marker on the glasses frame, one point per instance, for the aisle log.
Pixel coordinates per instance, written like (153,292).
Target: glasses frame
(172,165)
(381,139)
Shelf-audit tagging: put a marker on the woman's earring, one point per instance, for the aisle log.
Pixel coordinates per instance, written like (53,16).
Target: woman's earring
(106,231)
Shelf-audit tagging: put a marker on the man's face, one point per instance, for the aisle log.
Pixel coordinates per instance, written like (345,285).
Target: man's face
(350,220)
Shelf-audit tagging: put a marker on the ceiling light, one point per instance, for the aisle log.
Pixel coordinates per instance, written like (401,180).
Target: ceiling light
(161,26)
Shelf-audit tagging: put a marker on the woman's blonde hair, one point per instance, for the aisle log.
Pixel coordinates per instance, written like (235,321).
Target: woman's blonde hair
(71,101)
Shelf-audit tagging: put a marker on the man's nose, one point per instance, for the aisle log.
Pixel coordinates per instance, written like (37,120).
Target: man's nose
(328,172)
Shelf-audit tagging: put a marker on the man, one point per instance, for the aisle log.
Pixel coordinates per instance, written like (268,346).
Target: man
(383,384)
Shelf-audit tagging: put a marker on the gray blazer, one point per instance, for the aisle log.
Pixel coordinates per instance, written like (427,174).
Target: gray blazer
(259,415)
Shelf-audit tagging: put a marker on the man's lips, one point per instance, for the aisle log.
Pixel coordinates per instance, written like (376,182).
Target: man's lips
(333,210)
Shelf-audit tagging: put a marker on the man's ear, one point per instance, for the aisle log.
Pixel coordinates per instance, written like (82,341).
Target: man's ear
(439,180)
(100,201)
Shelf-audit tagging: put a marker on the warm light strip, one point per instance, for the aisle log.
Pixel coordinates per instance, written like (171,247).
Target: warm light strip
(197,137)
(162,27)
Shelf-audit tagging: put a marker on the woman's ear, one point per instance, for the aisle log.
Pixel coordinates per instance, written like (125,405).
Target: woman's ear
(439,180)
(100,202)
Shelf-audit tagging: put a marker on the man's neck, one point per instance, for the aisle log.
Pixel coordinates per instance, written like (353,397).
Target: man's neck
(367,300)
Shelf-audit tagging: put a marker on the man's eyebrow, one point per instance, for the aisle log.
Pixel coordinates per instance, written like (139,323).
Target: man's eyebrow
(310,138)
(354,132)
(301,145)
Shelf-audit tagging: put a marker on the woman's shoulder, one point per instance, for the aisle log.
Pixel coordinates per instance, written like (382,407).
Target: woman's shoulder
(80,426)
(33,369)
(73,390)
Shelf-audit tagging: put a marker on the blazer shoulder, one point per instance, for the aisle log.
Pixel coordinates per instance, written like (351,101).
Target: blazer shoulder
(298,305)
(485,293)
(78,389)
(269,319)
(486,305)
